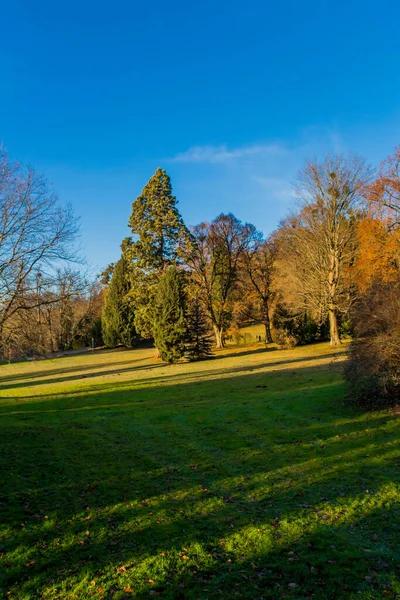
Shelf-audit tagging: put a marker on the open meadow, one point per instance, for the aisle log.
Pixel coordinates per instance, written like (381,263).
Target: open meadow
(244,476)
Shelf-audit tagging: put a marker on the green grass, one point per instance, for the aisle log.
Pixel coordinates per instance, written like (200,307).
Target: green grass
(246,476)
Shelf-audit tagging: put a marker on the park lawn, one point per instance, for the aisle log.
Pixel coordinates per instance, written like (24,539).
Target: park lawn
(245,476)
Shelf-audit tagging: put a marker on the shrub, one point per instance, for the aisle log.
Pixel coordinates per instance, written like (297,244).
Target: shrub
(284,340)
(373,371)
(296,329)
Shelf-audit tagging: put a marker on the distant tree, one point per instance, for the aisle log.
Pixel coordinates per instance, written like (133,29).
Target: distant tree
(257,283)
(63,311)
(198,341)
(86,316)
(169,326)
(66,315)
(321,238)
(161,240)
(118,314)
(215,262)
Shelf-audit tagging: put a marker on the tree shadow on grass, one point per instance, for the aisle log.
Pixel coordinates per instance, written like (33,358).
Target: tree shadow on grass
(34,380)
(231,352)
(169,377)
(41,375)
(201,467)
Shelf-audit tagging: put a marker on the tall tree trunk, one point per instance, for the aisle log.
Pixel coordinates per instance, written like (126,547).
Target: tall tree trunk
(333,325)
(333,279)
(268,334)
(219,338)
(267,325)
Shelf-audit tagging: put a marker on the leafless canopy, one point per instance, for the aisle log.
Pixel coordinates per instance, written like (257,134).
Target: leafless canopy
(330,197)
(219,248)
(37,235)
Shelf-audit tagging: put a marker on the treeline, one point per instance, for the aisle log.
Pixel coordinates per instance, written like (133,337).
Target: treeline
(333,258)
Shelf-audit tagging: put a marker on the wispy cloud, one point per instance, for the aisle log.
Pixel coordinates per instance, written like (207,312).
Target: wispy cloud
(223,154)
(281,189)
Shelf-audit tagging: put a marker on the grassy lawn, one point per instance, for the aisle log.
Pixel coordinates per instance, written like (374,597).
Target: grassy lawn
(245,476)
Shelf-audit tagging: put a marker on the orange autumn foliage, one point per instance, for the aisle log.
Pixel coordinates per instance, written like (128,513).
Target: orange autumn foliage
(378,255)
(384,194)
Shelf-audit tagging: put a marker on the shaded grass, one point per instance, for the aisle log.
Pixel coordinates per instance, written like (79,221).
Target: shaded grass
(241,477)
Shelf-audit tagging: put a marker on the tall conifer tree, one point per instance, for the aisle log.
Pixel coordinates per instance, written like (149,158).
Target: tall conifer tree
(169,326)
(198,341)
(161,240)
(118,315)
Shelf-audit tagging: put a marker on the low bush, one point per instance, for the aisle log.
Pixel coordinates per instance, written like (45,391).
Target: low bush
(296,329)
(373,371)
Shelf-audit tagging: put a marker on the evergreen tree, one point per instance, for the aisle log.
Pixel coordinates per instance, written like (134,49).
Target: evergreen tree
(198,341)
(118,315)
(169,326)
(161,240)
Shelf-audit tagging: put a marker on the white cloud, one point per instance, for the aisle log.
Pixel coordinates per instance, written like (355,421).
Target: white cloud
(222,154)
(281,189)
(269,182)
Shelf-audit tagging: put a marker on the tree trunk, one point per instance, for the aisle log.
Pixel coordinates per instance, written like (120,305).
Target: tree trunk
(267,322)
(219,338)
(333,326)
(268,335)
(333,279)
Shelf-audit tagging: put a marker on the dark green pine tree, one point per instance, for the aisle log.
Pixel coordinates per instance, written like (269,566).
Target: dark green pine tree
(169,326)
(118,315)
(160,240)
(198,340)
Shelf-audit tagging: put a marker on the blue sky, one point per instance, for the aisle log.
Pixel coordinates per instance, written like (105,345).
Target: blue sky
(229,97)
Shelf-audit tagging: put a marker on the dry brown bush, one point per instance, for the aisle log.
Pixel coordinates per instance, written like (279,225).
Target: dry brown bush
(373,371)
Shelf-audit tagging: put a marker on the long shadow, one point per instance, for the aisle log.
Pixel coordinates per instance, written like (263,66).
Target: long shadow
(33,375)
(125,395)
(170,378)
(149,478)
(247,352)
(99,373)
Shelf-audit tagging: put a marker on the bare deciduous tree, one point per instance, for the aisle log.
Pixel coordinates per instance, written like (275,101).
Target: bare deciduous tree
(257,283)
(37,235)
(330,194)
(215,267)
